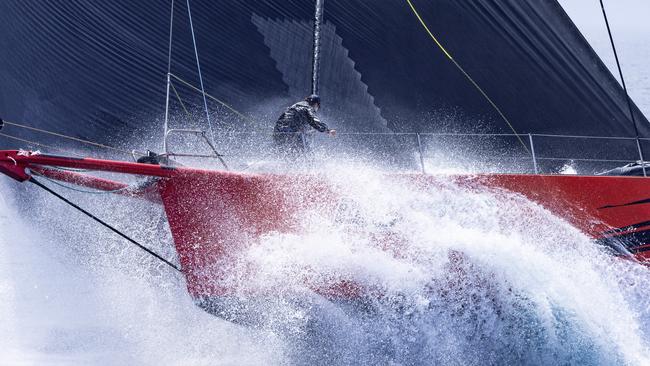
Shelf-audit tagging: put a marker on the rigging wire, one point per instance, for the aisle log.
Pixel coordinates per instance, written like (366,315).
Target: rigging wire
(620,70)
(198,66)
(53,181)
(627,95)
(106,225)
(70,138)
(462,70)
(38,144)
(171,33)
(179,99)
(169,68)
(222,103)
(199,90)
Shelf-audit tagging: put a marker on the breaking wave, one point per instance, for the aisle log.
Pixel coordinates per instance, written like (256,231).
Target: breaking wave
(457,276)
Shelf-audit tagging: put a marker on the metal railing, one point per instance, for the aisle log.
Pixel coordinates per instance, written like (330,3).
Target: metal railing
(533,154)
(199,133)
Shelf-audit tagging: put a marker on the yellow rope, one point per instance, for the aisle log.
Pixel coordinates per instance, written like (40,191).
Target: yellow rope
(424,25)
(179,99)
(241,115)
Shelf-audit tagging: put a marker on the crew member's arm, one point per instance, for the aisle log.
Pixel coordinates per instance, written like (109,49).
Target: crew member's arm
(317,124)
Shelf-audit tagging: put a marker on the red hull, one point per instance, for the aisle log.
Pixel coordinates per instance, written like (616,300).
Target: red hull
(208,223)
(213,214)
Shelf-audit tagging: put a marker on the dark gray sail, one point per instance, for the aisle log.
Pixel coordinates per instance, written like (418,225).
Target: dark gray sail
(97,69)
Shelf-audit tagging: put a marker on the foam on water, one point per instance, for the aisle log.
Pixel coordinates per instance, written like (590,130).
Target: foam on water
(479,277)
(72,294)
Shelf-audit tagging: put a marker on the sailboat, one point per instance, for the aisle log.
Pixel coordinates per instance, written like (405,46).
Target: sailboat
(214,214)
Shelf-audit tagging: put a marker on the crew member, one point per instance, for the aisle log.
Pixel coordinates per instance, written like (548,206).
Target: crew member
(295,121)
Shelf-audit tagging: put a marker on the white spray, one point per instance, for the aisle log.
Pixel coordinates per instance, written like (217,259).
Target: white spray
(478,278)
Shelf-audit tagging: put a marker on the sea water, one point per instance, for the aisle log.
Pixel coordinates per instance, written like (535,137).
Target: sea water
(481,278)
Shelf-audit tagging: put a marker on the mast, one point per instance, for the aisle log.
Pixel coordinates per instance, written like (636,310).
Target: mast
(318,20)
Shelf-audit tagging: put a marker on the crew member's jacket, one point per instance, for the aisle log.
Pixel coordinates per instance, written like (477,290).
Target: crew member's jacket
(296,118)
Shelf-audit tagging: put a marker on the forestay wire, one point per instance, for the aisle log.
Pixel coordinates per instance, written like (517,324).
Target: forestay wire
(106,225)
